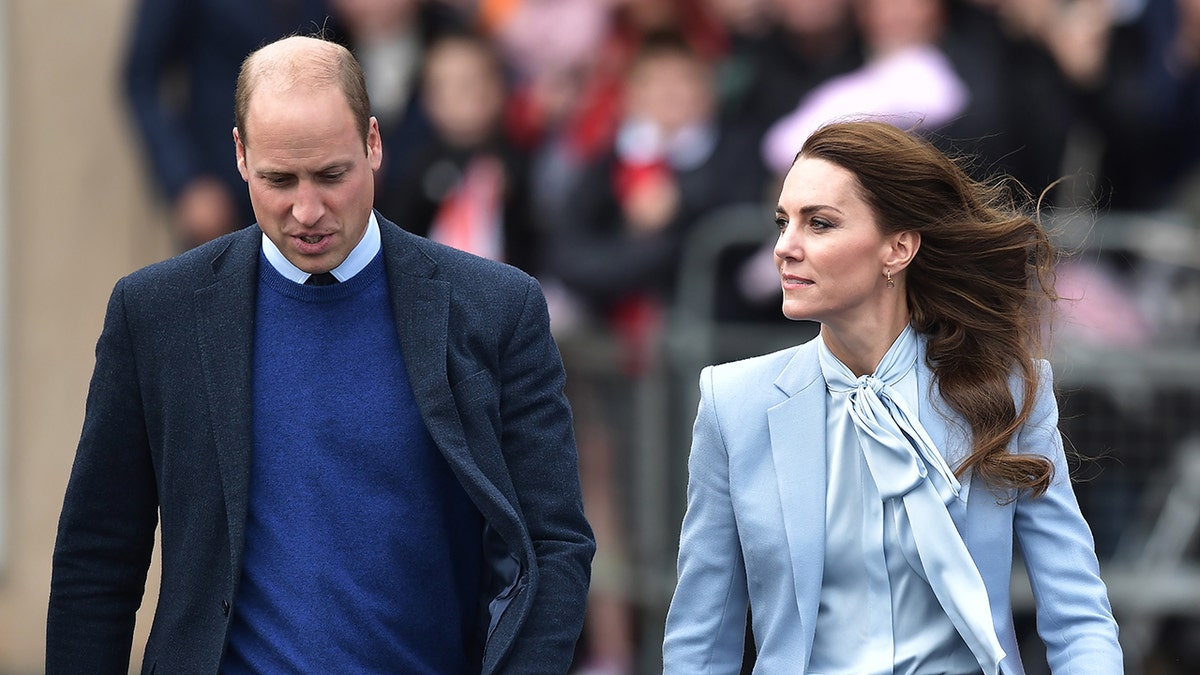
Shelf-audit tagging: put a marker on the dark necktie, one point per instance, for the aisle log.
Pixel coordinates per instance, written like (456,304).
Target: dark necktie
(322,279)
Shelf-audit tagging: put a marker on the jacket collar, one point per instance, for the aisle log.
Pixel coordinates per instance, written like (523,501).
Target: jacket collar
(797,432)
(224,311)
(797,429)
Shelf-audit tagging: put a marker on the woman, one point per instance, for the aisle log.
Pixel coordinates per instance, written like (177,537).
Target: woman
(860,493)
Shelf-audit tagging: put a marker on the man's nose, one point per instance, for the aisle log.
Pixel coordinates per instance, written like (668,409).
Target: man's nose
(308,207)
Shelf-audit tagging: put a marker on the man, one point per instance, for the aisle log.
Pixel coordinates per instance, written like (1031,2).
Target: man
(376,475)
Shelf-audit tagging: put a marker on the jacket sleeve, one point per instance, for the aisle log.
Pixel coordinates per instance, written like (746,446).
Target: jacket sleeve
(706,623)
(539,446)
(109,514)
(1074,618)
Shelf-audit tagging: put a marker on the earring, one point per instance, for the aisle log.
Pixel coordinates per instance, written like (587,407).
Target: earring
(890,283)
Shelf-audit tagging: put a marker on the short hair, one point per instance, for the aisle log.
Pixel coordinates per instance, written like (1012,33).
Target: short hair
(328,63)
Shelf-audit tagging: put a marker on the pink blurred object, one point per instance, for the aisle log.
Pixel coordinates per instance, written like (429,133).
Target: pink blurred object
(905,87)
(554,35)
(1096,308)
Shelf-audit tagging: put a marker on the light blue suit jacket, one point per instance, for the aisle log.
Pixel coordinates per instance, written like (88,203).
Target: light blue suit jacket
(754,533)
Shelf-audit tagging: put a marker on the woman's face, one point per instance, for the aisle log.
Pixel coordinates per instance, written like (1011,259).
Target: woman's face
(831,252)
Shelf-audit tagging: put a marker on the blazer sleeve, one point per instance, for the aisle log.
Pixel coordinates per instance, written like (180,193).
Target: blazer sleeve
(539,445)
(1074,617)
(706,622)
(109,514)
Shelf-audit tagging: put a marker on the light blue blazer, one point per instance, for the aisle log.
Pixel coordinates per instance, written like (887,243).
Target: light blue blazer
(754,533)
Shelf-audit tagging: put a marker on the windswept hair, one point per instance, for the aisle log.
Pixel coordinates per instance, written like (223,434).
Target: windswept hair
(311,61)
(978,286)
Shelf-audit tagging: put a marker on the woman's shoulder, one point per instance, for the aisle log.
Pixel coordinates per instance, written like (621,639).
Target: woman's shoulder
(765,369)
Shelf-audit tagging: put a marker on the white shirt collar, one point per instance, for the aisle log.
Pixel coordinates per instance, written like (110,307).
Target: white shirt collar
(354,263)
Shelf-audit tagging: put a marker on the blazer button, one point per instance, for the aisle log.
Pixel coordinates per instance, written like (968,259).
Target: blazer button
(224,606)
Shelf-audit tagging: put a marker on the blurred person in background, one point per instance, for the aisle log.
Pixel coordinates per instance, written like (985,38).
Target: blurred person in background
(617,253)
(862,494)
(1078,101)
(569,62)
(1175,77)
(467,184)
(906,79)
(391,39)
(671,162)
(808,41)
(180,64)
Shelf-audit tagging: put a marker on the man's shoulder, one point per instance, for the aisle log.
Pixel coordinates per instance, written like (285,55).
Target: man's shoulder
(196,267)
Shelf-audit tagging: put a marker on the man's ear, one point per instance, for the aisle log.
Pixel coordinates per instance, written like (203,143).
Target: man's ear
(904,246)
(374,145)
(240,151)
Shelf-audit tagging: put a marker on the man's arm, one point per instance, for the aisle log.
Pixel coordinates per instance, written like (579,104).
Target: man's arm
(106,530)
(539,446)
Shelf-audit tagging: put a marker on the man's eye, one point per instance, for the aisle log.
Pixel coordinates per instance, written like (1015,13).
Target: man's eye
(333,177)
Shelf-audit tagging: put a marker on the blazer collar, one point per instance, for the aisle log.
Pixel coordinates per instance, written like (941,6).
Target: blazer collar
(421,308)
(797,429)
(224,310)
(797,432)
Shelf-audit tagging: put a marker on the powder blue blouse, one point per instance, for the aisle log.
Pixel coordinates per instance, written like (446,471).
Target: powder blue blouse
(877,613)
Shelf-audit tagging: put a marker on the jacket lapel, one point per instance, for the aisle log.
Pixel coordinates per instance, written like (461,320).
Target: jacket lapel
(797,428)
(421,307)
(225,331)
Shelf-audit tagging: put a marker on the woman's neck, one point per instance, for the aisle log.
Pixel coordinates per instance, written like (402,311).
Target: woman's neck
(862,349)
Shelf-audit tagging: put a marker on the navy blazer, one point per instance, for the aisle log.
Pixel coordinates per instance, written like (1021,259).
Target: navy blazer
(754,532)
(167,434)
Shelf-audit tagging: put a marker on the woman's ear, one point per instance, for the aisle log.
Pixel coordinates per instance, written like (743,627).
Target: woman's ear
(904,246)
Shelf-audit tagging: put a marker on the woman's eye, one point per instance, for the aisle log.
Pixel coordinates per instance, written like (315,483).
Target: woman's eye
(781,223)
(821,224)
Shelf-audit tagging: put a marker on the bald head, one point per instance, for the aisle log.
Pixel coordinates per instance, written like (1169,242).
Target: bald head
(299,62)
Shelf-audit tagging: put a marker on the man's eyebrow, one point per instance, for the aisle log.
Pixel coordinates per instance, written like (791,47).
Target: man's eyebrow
(335,166)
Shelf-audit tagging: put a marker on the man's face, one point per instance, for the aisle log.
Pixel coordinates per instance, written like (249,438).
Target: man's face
(311,178)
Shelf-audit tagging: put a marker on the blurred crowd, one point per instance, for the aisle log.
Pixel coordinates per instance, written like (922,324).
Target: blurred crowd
(582,140)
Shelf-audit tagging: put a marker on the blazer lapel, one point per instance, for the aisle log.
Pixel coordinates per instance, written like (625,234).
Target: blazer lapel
(421,307)
(225,332)
(797,428)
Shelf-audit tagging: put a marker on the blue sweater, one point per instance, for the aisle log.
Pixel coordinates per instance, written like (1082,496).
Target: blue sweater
(362,550)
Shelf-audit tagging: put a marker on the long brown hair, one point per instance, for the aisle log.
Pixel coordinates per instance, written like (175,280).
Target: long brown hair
(977,287)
